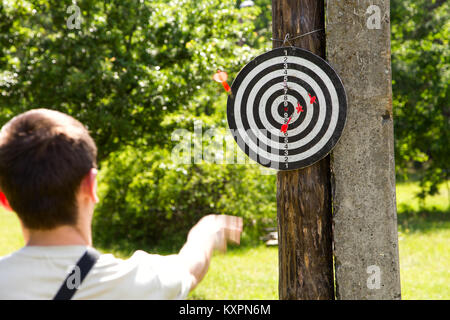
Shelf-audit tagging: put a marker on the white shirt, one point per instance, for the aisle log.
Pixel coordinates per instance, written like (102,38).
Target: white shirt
(35,272)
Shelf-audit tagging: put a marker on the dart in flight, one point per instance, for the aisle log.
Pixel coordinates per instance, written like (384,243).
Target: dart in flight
(221,77)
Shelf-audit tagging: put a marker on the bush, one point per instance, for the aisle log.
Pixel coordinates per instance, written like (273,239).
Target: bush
(147,200)
(129,65)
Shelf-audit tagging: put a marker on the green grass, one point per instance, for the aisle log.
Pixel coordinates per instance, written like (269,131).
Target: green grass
(425,262)
(10,232)
(424,239)
(252,272)
(241,274)
(407,201)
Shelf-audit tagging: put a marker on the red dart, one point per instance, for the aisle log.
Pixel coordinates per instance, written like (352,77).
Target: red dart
(221,77)
(312,99)
(299,108)
(4,202)
(284,127)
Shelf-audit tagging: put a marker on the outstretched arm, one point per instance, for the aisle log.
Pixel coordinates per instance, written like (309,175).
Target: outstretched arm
(211,232)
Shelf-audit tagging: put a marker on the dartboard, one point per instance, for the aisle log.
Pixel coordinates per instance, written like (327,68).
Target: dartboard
(287,108)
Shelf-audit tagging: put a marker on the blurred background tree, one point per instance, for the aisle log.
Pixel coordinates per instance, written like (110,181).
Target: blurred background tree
(129,65)
(421,76)
(133,73)
(137,70)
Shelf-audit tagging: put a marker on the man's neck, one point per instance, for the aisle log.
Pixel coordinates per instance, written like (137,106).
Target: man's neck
(60,236)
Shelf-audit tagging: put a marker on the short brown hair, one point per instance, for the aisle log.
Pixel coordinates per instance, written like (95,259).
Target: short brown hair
(44,155)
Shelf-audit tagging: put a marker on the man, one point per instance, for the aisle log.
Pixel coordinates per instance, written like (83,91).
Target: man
(48,177)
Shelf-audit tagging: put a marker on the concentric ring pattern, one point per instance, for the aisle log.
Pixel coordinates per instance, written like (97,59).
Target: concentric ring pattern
(263,98)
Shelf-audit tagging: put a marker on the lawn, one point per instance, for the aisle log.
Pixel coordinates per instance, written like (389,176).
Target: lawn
(251,272)
(424,239)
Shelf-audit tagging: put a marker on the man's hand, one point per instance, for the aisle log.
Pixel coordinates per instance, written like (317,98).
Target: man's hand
(210,233)
(220,229)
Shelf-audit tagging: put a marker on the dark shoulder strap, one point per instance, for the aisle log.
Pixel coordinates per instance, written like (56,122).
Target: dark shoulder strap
(82,268)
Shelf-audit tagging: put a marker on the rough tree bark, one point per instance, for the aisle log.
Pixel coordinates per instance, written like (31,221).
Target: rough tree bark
(304,196)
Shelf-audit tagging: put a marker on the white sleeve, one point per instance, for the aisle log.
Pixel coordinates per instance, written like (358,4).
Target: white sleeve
(160,277)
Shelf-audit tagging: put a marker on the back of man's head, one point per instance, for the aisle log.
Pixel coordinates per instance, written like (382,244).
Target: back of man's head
(44,156)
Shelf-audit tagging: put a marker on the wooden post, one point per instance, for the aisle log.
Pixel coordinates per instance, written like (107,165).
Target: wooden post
(304,196)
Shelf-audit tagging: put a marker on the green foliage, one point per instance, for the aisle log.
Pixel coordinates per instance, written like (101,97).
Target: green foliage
(133,73)
(148,199)
(131,64)
(421,77)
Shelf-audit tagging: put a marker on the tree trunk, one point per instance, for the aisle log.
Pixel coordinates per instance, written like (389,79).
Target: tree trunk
(304,196)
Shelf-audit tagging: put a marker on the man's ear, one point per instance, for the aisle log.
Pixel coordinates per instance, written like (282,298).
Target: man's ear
(89,185)
(4,202)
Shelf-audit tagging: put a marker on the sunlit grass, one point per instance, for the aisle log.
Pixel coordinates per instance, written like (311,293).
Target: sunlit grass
(407,200)
(424,240)
(248,273)
(10,233)
(425,263)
